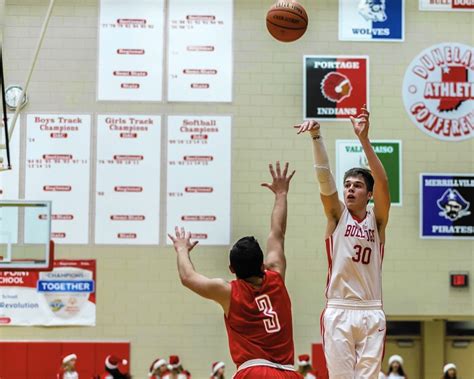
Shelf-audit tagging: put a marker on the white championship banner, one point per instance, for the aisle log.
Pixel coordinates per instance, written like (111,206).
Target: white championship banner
(58,169)
(64,296)
(130,50)
(200,50)
(128,180)
(10,180)
(199,177)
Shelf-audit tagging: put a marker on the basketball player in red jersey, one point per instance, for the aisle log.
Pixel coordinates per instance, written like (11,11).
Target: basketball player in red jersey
(256,305)
(353,322)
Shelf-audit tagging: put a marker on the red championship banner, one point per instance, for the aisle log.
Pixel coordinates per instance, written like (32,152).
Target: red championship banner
(335,87)
(438,91)
(64,296)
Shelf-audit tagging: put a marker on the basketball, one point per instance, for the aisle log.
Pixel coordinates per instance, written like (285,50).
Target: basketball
(287,21)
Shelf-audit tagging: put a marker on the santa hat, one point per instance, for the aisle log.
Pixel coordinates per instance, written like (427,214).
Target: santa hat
(174,362)
(448,367)
(112,362)
(303,360)
(157,363)
(216,366)
(395,358)
(69,358)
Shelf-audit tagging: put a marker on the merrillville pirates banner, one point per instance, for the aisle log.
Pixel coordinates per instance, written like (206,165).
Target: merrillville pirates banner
(349,154)
(368,20)
(335,87)
(64,296)
(447,206)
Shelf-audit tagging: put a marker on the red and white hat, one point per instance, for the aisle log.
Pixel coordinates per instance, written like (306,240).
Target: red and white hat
(448,367)
(303,360)
(174,362)
(157,363)
(216,366)
(69,358)
(112,362)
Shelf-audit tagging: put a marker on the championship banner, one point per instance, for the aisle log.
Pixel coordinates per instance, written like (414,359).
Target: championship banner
(438,91)
(447,206)
(199,177)
(128,180)
(10,180)
(447,5)
(335,87)
(368,20)
(130,50)
(64,296)
(349,154)
(200,50)
(58,169)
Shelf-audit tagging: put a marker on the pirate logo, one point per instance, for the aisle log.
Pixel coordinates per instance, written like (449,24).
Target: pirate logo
(372,10)
(336,87)
(453,206)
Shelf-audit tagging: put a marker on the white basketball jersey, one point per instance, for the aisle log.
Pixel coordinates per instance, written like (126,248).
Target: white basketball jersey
(355,257)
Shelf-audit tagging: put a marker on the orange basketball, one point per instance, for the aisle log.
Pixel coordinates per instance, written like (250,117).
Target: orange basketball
(287,20)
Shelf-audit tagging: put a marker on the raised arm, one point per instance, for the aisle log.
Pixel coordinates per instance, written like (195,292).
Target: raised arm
(381,193)
(333,207)
(280,185)
(214,289)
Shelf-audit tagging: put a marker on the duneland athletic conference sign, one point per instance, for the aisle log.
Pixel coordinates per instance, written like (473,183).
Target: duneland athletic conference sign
(438,91)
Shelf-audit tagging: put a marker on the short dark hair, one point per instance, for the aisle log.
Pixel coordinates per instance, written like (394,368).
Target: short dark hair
(366,175)
(246,258)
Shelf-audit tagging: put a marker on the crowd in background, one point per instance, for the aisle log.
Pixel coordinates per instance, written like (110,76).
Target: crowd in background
(172,368)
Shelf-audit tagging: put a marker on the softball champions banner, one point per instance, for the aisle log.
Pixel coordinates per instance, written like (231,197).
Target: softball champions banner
(369,20)
(64,296)
(447,5)
(130,50)
(349,154)
(335,87)
(438,91)
(447,206)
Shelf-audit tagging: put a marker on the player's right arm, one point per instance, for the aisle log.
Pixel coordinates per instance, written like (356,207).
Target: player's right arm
(280,185)
(216,289)
(333,207)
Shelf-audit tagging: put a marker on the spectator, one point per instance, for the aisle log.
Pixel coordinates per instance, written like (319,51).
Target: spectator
(450,371)
(68,368)
(175,369)
(158,369)
(112,368)
(304,367)
(395,368)
(218,370)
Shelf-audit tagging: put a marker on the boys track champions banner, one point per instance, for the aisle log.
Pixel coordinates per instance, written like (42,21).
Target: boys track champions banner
(369,20)
(335,87)
(447,206)
(64,296)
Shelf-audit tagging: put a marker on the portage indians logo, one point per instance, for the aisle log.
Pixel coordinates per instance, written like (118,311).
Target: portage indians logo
(372,10)
(336,87)
(438,91)
(453,206)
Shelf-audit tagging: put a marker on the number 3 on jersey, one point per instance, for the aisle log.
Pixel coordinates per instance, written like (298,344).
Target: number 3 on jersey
(365,254)
(272,324)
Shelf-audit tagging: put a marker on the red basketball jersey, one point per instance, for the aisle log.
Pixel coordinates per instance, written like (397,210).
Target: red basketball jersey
(259,324)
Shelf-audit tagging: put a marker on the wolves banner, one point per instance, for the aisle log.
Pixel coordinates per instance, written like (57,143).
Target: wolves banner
(349,154)
(372,20)
(447,5)
(335,87)
(64,296)
(438,91)
(447,206)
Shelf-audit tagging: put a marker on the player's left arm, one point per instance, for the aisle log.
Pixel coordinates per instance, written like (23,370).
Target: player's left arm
(280,185)
(381,192)
(216,289)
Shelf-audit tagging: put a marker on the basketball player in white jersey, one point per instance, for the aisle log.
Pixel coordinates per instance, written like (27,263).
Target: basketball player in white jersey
(353,322)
